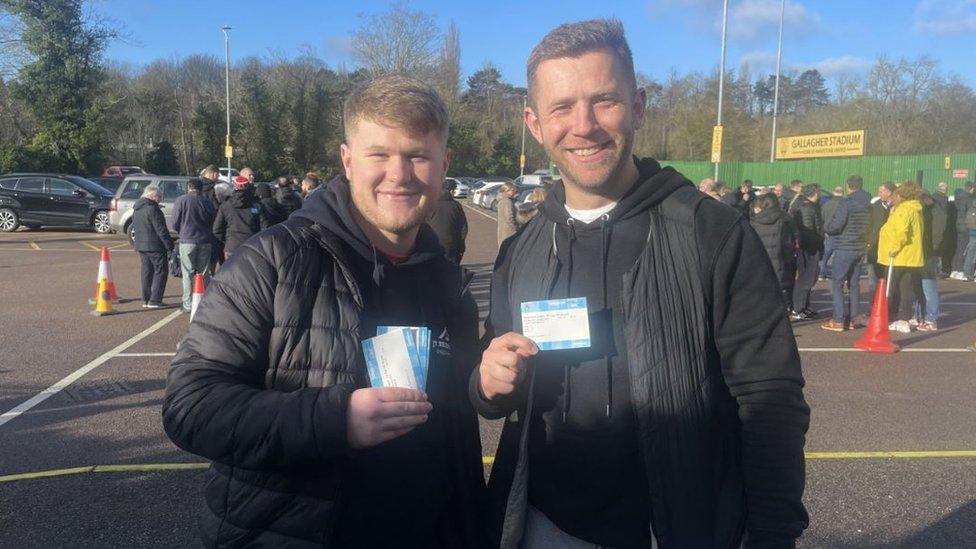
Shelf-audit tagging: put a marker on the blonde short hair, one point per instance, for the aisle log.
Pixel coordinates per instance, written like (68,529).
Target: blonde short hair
(398,101)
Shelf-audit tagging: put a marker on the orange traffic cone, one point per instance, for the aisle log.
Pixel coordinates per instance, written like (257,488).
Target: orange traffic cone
(199,285)
(876,338)
(103,303)
(105,273)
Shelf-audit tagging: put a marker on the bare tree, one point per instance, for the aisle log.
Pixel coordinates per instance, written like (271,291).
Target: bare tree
(398,41)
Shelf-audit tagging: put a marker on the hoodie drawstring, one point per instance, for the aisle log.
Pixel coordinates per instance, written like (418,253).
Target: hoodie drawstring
(570,222)
(604,237)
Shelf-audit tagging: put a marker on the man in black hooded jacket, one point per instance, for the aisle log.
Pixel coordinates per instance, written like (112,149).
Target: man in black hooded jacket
(683,423)
(270,382)
(239,217)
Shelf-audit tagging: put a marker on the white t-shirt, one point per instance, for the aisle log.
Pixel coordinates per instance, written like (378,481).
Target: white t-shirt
(589,216)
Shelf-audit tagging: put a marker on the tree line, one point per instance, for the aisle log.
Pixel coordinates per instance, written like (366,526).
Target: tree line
(63,107)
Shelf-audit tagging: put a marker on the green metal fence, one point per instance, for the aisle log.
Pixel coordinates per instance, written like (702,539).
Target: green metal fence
(829,173)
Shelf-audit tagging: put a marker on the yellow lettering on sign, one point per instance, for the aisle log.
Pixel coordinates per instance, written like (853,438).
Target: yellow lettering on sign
(717,144)
(849,143)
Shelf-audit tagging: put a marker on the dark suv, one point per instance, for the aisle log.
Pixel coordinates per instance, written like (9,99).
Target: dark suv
(38,199)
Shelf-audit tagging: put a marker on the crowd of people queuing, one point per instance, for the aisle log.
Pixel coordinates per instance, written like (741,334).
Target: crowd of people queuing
(906,235)
(212,219)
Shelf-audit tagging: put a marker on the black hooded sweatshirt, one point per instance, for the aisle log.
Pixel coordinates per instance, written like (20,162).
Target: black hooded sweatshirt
(403,483)
(575,455)
(587,474)
(238,218)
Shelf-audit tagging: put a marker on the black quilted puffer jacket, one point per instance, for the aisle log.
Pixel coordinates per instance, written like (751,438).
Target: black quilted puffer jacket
(261,383)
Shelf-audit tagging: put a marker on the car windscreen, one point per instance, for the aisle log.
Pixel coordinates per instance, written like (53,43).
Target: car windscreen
(128,171)
(89,185)
(132,188)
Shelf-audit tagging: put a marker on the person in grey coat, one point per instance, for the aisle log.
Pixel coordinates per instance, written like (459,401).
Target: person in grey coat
(507,224)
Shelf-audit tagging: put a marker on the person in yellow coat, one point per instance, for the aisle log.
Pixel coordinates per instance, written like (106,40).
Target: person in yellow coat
(900,245)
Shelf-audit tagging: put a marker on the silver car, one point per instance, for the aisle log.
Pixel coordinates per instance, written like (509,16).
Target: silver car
(120,215)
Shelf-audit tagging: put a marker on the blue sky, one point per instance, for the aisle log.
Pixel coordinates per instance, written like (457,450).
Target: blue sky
(836,36)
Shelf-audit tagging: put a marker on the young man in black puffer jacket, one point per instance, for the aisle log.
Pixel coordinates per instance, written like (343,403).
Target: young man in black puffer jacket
(809,227)
(775,230)
(270,383)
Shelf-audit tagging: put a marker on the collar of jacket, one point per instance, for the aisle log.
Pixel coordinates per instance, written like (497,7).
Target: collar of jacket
(331,244)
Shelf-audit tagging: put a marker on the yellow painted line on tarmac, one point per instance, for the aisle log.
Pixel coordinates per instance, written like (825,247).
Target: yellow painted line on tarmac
(47,474)
(131,468)
(149,467)
(117,246)
(96,248)
(34,245)
(485,460)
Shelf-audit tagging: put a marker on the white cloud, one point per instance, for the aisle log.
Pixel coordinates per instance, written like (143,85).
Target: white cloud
(748,19)
(754,18)
(838,66)
(945,17)
(759,61)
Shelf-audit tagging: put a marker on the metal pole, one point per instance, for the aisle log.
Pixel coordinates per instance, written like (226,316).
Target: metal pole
(721,70)
(522,154)
(779,57)
(227,88)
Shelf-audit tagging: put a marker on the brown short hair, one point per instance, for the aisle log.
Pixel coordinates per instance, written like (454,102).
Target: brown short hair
(398,101)
(576,39)
(909,190)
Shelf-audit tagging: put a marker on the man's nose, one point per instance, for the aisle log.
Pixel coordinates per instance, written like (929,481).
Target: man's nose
(400,169)
(584,120)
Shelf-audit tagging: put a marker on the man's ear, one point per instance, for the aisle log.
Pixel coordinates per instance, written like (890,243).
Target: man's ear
(346,155)
(533,123)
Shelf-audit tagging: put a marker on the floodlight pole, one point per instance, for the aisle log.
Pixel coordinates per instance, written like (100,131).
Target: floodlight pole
(227,144)
(721,70)
(779,57)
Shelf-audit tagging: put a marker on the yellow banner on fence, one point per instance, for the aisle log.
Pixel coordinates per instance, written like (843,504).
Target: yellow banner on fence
(821,145)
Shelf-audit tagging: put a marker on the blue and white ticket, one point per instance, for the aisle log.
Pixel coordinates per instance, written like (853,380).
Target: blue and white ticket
(557,323)
(392,360)
(421,337)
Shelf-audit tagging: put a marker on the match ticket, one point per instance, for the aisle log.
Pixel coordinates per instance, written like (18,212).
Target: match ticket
(557,323)
(392,359)
(421,337)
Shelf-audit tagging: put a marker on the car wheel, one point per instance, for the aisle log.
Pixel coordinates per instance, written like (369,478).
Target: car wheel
(100,222)
(8,220)
(493,204)
(130,232)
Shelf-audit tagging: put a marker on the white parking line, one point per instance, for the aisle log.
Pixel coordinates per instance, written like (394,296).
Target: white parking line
(853,350)
(478,212)
(54,389)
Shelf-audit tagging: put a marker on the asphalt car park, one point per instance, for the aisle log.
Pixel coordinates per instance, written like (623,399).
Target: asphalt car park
(84,461)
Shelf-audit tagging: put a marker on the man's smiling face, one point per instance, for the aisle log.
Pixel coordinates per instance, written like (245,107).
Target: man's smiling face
(584,112)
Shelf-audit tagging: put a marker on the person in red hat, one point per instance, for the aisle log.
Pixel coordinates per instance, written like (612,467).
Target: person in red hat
(239,216)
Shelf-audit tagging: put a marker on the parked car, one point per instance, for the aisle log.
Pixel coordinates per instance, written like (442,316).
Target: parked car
(479,196)
(460,187)
(48,199)
(120,214)
(110,183)
(113,176)
(224,174)
(523,193)
(122,171)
